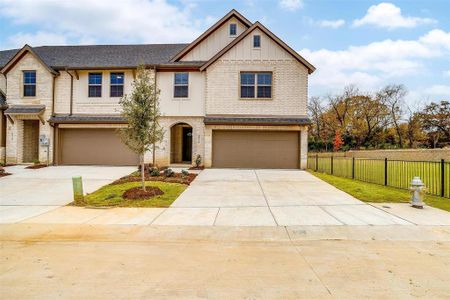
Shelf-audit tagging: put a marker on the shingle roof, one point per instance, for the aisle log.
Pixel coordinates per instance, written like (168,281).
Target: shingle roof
(87,119)
(256,120)
(25,109)
(59,57)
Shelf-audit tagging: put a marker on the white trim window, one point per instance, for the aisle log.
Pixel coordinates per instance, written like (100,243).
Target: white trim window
(256,41)
(181,85)
(117,80)
(95,85)
(233,29)
(29,83)
(256,85)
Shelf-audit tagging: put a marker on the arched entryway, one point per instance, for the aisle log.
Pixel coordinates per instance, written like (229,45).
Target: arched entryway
(181,144)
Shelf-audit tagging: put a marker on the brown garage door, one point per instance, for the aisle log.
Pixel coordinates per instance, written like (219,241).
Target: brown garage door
(94,147)
(255,149)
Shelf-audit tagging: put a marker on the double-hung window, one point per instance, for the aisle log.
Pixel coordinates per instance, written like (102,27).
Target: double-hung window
(233,29)
(95,85)
(29,83)
(116,84)
(256,85)
(256,41)
(181,85)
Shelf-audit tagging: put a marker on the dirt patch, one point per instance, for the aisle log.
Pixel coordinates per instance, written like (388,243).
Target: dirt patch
(176,178)
(138,193)
(39,166)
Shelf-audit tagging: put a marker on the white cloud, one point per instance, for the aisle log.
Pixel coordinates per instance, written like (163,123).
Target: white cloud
(387,15)
(439,89)
(125,21)
(376,63)
(35,39)
(331,23)
(291,5)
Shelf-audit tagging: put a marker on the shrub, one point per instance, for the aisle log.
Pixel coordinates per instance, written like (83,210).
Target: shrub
(184,173)
(154,172)
(198,161)
(2,171)
(36,162)
(168,172)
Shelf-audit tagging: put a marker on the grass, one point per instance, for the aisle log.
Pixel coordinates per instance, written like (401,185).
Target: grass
(111,195)
(369,192)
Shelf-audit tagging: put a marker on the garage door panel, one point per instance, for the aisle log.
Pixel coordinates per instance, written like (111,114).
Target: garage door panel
(94,147)
(255,149)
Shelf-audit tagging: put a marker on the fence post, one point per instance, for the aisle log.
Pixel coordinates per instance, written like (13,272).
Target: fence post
(353,167)
(442,178)
(385,171)
(317,162)
(331,164)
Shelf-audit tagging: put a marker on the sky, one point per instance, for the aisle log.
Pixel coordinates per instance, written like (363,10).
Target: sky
(366,43)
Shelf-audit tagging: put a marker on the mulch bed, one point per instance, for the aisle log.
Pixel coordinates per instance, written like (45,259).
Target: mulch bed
(176,178)
(39,166)
(197,168)
(4,174)
(138,193)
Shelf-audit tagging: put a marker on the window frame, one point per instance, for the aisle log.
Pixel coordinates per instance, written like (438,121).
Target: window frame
(259,41)
(175,85)
(256,85)
(111,85)
(95,84)
(25,84)
(235,29)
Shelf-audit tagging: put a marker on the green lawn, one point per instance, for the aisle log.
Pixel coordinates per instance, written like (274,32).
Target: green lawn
(111,195)
(369,192)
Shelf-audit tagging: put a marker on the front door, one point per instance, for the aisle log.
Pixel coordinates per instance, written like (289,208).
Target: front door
(30,141)
(187,144)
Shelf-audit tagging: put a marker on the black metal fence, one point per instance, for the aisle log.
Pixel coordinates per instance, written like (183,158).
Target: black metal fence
(394,173)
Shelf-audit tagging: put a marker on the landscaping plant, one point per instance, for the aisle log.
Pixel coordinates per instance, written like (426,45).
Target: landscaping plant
(168,172)
(141,111)
(198,161)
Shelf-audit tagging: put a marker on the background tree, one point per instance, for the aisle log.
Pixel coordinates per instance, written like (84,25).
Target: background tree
(435,119)
(141,110)
(337,142)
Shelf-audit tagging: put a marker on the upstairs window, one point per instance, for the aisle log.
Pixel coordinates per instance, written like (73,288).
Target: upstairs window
(256,41)
(256,85)
(116,84)
(95,85)
(181,85)
(233,29)
(29,83)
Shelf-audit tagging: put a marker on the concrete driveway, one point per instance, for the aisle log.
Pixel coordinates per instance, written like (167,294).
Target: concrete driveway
(233,197)
(27,193)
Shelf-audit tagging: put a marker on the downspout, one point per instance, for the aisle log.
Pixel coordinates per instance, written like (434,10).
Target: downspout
(71,92)
(53,114)
(154,107)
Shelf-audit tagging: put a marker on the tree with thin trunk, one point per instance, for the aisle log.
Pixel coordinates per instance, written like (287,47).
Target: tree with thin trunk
(141,111)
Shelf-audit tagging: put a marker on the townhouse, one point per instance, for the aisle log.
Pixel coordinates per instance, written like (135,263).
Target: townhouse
(236,96)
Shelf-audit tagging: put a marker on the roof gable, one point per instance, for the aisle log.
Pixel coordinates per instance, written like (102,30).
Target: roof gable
(272,36)
(19,55)
(232,14)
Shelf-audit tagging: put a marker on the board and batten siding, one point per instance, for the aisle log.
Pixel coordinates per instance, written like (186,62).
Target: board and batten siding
(215,42)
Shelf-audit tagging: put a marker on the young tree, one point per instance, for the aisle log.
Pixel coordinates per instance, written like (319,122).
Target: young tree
(141,110)
(337,142)
(435,119)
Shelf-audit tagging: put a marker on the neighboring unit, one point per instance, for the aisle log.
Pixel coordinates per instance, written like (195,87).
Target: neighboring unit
(236,96)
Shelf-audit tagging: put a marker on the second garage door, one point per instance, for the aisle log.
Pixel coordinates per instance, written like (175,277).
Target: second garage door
(255,149)
(94,147)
